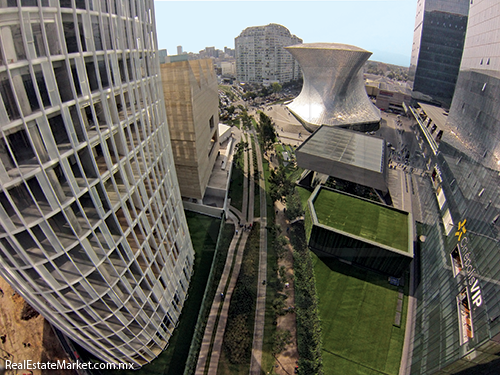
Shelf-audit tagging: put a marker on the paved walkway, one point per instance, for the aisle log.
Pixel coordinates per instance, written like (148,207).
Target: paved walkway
(260,308)
(211,346)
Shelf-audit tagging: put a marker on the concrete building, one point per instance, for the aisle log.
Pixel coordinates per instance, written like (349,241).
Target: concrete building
(228,69)
(458,294)
(229,51)
(92,228)
(260,55)
(388,94)
(438,42)
(333,92)
(179,50)
(192,102)
(163,56)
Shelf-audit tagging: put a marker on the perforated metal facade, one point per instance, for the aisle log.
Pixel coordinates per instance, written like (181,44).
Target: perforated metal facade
(92,233)
(333,92)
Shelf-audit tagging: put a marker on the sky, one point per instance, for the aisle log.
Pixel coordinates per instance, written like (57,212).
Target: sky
(384,27)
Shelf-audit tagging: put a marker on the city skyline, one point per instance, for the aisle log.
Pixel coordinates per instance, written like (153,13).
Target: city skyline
(382,27)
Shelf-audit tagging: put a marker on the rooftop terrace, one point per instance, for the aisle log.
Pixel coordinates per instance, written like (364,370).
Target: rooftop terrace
(359,217)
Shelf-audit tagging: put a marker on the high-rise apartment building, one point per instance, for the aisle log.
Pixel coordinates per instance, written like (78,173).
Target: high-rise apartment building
(438,42)
(261,56)
(92,229)
(179,50)
(457,323)
(192,102)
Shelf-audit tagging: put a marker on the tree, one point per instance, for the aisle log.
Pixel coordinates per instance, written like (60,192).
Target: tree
(276,87)
(280,185)
(265,128)
(282,338)
(249,95)
(246,120)
(293,206)
(280,244)
(265,91)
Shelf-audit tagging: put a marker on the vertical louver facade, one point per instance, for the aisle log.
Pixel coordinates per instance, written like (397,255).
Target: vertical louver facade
(92,234)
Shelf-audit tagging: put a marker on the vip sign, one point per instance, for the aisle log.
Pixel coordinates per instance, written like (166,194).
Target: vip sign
(470,271)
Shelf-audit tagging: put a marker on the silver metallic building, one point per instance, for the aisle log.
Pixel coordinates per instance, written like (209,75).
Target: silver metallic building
(333,92)
(92,229)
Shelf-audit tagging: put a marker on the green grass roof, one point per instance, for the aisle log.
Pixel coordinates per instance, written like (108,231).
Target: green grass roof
(357,309)
(361,218)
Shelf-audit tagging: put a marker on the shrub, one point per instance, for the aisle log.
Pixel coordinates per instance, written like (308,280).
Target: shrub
(306,303)
(237,340)
(282,338)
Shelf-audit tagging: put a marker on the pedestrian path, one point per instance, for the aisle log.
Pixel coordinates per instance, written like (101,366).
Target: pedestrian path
(260,308)
(211,347)
(214,331)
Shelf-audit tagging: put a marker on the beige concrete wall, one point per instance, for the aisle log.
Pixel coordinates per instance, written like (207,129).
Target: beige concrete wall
(192,100)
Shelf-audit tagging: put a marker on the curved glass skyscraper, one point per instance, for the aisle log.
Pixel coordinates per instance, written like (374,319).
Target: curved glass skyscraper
(92,233)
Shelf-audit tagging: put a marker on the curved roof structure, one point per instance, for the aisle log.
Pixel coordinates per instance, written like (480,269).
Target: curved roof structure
(333,92)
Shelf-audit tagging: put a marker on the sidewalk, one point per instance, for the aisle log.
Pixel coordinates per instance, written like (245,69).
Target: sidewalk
(209,357)
(260,308)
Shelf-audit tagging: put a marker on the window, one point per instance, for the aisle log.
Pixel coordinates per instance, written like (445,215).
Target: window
(9,99)
(17,39)
(38,40)
(464,316)
(456,261)
(448,222)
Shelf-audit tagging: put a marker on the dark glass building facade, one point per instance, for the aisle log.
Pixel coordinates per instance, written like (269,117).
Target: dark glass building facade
(457,321)
(438,43)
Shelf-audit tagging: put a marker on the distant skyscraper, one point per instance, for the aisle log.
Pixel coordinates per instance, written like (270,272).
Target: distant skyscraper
(163,55)
(210,52)
(261,56)
(179,50)
(192,102)
(92,228)
(229,51)
(438,42)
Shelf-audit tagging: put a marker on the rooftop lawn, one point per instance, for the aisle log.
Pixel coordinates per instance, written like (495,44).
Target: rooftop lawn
(357,309)
(361,218)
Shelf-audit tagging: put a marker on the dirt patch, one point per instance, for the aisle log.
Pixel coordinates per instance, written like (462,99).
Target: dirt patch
(26,335)
(28,312)
(287,360)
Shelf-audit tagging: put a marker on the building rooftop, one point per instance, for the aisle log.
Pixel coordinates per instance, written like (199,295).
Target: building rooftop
(438,115)
(359,217)
(334,46)
(346,147)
